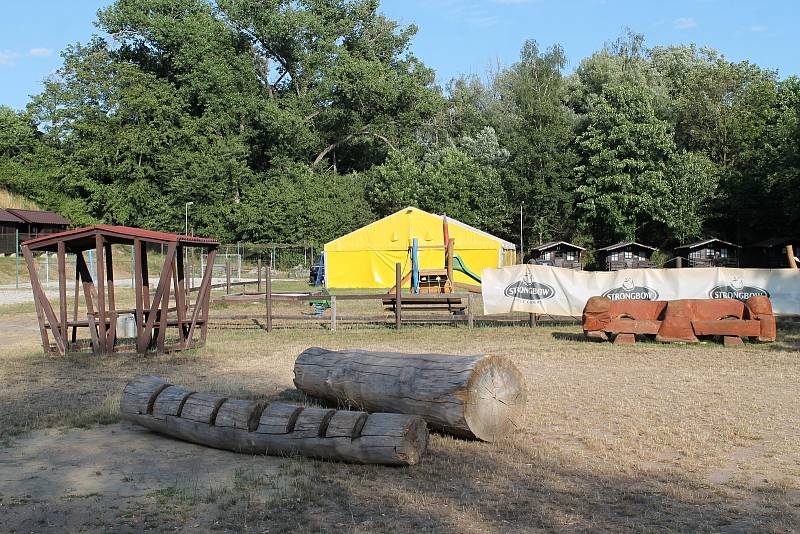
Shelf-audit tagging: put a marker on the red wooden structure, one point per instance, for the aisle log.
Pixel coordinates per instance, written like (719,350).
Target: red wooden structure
(152,315)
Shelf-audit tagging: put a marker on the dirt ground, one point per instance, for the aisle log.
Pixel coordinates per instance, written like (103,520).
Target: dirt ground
(646,438)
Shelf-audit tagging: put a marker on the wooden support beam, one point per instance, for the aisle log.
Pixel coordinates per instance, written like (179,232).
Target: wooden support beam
(111,335)
(62,288)
(333,313)
(790,257)
(101,296)
(42,301)
(145,336)
(203,298)
(180,295)
(77,298)
(138,277)
(470,310)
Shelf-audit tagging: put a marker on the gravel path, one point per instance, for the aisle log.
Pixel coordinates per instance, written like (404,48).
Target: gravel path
(17,296)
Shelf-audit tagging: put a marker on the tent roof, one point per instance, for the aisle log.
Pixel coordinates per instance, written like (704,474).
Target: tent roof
(83,238)
(416,220)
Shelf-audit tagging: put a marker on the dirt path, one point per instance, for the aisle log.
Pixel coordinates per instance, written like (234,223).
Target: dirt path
(116,475)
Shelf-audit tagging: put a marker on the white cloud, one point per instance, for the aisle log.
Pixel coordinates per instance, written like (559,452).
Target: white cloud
(685,23)
(40,52)
(7,58)
(758,28)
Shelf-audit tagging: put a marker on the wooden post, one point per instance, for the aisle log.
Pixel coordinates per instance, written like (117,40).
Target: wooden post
(790,256)
(201,303)
(679,263)
(451,244)
(259,274)
(62,290)
(43,305)
(227,276)
(532,320)
(138,280)
(398,276)
(101,294)
(144,338)
(333,313)
(470,312)
(269,297)
(111,334)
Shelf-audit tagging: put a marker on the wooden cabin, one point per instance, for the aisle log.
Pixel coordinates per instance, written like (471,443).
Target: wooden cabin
(9,225)
(559,254)
(36,223)
(770,253)
(709,253)
(627,255)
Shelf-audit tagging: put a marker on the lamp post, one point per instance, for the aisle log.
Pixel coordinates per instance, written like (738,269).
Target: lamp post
(521,251)
(186,231)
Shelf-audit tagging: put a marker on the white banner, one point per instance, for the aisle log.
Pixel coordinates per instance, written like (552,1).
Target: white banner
(557,291)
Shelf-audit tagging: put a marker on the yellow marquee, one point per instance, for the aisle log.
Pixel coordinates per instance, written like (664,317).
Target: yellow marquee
(366,258)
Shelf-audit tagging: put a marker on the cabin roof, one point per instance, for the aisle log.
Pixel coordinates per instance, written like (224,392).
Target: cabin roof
(553,244)
(8,217)
(707,241)
(624,244)
(39,217)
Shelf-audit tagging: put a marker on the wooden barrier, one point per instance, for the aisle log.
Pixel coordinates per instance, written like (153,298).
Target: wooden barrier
(253,427)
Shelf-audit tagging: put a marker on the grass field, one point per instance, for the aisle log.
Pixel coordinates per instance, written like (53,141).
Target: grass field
(643,438)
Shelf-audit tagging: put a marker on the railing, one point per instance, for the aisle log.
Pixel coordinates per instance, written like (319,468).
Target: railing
(713,262)
(629,264)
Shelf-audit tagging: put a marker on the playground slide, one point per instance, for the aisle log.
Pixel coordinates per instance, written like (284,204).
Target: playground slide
(460,266)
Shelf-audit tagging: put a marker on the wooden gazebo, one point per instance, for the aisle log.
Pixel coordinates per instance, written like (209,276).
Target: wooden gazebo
(100,314)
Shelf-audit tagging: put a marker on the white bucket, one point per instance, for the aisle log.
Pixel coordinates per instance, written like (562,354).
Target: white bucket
(126,326)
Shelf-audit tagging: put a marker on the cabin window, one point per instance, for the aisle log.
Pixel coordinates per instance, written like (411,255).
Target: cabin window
(615,256)
(709,253)
(570,255)
(546,255)
(723,253)
(628,255)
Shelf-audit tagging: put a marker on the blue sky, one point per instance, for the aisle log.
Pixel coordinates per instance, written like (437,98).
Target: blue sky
(461,36)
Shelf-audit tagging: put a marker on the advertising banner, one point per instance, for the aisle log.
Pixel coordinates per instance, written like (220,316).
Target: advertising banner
(557,291)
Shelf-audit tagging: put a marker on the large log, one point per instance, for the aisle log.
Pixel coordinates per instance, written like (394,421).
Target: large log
(276,429)
(468,396)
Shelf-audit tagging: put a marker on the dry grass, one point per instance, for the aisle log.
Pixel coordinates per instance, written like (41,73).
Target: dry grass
(10,200)
(642,438)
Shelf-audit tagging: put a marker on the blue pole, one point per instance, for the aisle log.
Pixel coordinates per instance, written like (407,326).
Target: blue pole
(17,255)
(415,265)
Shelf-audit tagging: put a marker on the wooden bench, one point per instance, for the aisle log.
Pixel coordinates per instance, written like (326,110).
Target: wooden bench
(413,303)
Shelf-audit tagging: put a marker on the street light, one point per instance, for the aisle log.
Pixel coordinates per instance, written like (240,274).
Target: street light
(186,232)
(521,252)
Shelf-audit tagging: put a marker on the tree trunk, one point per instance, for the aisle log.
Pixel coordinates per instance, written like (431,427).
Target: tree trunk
(254,427)
(468,396)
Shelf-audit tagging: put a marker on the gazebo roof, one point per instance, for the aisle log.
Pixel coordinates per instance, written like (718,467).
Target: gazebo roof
(84,238)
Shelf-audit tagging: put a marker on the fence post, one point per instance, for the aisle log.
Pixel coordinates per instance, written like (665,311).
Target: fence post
(470,313)
(333,313)
(268,298)
(398,276)
(227,277)
(259,274)
(532,320)
(16,256)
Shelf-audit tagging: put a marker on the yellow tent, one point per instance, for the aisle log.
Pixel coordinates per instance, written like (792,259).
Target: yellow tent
(366,258)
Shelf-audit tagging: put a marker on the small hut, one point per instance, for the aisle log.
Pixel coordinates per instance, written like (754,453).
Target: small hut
(627,255)
(10,224)
(36,223)
(558,254)
(143,328)
(710,253)
(771,253)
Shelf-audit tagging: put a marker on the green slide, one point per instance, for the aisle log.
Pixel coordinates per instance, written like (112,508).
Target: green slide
(460,266)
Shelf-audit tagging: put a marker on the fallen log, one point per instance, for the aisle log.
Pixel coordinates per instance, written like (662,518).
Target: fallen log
(254,427)
(468,396)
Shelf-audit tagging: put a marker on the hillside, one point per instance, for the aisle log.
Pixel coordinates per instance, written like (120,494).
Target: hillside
(10,200)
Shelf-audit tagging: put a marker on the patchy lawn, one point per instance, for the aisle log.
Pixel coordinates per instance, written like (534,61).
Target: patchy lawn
(641,438)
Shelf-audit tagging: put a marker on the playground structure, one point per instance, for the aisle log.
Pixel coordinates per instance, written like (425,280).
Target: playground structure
(680,321)
(142,329)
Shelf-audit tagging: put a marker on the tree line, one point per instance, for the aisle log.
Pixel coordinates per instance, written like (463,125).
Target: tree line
(301,120)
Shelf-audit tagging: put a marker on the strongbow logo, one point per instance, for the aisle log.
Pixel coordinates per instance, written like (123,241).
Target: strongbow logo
(529,289)
(630,291)
(737,290)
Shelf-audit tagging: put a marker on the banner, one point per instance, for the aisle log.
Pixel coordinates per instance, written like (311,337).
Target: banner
(558,291)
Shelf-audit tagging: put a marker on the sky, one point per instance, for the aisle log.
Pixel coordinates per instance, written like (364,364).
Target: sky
(460,36)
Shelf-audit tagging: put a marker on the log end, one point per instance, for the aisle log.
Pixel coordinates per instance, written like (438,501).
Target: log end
(495,399)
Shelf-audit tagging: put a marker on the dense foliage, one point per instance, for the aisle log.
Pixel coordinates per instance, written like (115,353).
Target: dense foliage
(291,120)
